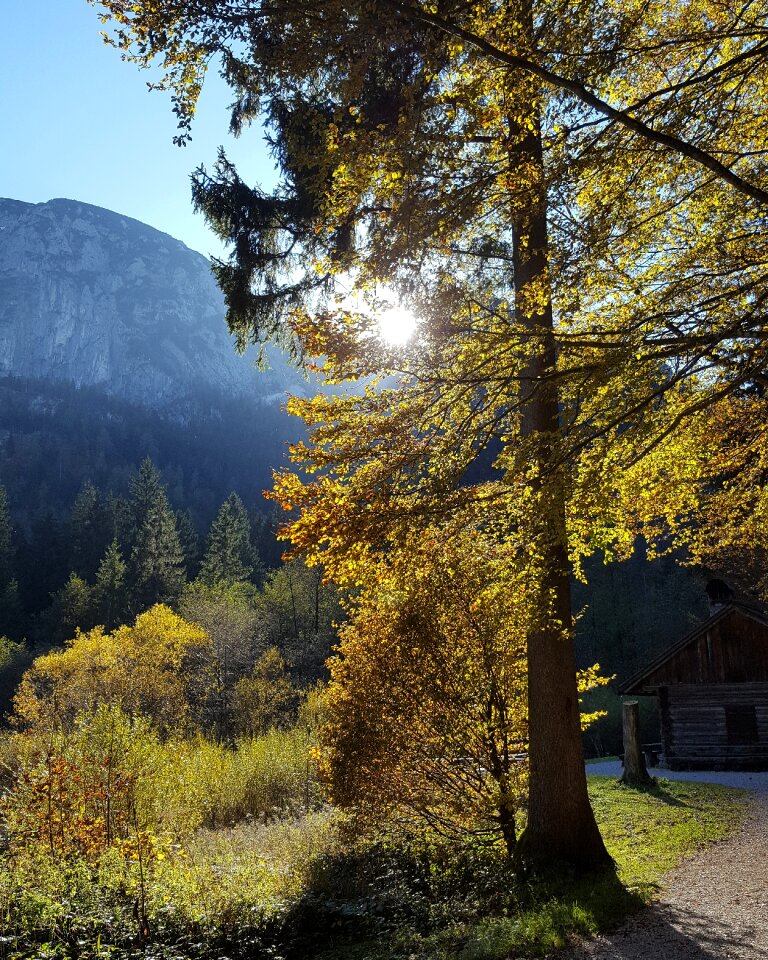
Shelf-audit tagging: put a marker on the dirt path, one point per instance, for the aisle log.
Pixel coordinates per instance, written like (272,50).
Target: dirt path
(713,907)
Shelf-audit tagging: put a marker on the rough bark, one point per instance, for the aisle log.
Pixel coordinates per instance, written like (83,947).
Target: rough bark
(635,771)
(561,825)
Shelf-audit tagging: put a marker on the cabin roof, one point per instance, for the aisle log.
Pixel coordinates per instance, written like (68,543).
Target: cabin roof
(635,683)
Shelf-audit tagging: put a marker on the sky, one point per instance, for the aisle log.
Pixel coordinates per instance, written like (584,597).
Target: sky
(79,123)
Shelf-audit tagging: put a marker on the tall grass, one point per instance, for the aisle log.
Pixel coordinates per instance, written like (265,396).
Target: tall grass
(198,783)
(177,786)
(105,823)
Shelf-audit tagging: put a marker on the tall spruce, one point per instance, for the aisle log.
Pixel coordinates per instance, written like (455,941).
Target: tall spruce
(44,562)
(229,555)
(190,542)
(6,542)
(10,605)
(157,561)
(146,487)
(90,531)
(122,522)
(111,588)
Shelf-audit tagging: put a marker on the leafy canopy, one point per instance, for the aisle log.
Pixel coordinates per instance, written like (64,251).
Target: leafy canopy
(399,130)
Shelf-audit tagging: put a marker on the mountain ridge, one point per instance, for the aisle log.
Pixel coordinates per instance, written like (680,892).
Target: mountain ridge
(96,298)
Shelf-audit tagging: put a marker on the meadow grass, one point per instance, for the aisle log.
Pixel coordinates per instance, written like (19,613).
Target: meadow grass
(300,886)
(647,832)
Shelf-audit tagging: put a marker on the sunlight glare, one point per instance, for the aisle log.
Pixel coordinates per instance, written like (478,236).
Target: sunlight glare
(396,325)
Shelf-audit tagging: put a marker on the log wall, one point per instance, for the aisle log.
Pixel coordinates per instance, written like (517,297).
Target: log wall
(694,729)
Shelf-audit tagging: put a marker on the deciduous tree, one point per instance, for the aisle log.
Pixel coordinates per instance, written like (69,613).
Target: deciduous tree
(227,614)
(299,613)
(571,197)
(427,711)
(72,609)
(266,698)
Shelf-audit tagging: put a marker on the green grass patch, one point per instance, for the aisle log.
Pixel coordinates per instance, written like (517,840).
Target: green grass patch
(647,832)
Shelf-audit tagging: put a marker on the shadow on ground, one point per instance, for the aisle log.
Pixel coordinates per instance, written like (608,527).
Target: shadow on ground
(663,932)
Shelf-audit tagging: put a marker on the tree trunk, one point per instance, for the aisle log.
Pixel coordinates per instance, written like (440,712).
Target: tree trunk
(635,771)
(561,825)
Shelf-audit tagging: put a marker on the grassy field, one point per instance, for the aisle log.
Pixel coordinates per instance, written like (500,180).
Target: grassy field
(647,832)
(300,887)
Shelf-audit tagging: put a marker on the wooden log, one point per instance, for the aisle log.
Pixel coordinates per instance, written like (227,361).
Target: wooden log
(635,771)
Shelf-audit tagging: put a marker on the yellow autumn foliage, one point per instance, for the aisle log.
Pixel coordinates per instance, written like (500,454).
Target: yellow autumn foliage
(427,705)
(152,668)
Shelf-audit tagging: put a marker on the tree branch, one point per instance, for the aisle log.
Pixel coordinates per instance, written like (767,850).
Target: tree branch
(586,96)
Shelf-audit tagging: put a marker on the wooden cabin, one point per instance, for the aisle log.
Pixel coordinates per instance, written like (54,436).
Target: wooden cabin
(712,689)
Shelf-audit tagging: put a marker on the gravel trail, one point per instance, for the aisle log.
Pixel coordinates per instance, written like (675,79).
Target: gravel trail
(714,906)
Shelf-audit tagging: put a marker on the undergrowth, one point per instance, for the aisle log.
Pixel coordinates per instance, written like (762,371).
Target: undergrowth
(301,885)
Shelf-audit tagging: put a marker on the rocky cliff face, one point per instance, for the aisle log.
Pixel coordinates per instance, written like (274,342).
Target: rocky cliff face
(98,299)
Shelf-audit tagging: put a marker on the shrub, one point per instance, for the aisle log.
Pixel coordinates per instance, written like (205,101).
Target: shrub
(151,668)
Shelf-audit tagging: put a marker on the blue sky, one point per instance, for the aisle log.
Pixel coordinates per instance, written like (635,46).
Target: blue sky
(79,123)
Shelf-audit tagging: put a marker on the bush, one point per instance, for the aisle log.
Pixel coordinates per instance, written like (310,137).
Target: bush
(77,794)
(152,668)
(113,834)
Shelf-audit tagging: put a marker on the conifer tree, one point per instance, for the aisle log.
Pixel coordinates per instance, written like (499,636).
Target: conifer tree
(11,611)
(89,531)
(122,522)
(111,589)
(10,605)
(190,542)
(72,609)
(146,487)
(228,554)
(157,562)
(6,545)
(44,562)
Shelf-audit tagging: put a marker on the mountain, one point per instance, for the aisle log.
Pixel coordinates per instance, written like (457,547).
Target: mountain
(96,299)
(113,347)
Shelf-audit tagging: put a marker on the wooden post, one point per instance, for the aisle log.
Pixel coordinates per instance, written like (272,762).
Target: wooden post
(635,772)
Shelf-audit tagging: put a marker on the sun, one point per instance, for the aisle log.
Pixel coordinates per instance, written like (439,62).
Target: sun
(396,325)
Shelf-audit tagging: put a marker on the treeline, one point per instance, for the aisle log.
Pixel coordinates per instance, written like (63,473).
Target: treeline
(627,614)
(114,557)
(54,437)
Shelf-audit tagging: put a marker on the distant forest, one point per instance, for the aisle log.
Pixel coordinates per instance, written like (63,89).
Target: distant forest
(54,437)
(70,467)
(85,478)
(113,557)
